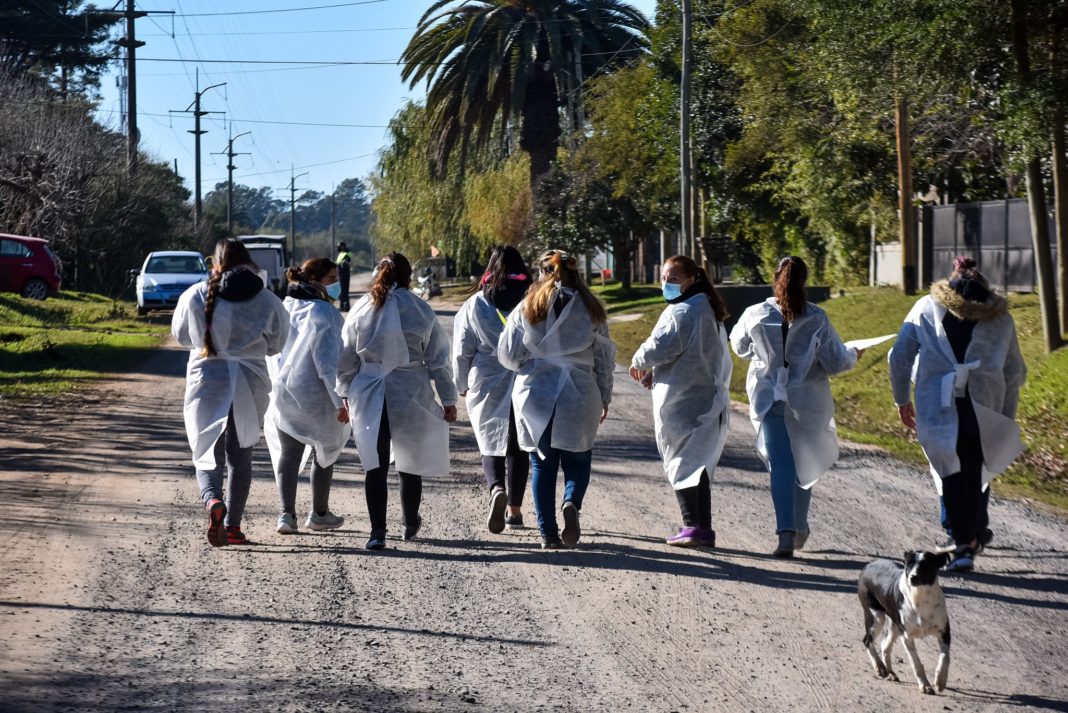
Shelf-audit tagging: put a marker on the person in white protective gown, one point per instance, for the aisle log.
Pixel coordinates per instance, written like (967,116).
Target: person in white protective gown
(231,324)
(488,386)
(306,416)
(687,364)
(958,345)
(557,342)
(792,349)
(393,348)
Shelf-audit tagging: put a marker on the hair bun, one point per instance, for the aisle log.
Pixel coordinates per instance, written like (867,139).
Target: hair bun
(963,263)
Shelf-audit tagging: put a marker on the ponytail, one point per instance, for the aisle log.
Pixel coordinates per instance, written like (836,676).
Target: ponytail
(559,268)
(393,270)
(701,283)
(790,277)
(314,269)
(229,253)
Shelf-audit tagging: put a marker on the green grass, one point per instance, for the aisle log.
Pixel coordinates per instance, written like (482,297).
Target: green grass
(68,341)
(865,410)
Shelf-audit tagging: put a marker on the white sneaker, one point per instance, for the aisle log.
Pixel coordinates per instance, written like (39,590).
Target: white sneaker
(329,521)
(287,524)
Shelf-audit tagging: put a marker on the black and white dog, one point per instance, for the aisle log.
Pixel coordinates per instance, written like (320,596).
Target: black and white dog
(912,600)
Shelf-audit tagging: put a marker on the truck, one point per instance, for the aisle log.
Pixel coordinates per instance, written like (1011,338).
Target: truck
(270,255)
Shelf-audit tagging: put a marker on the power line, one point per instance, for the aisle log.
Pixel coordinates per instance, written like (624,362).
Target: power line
(310,165)
(296,32)
(284,9)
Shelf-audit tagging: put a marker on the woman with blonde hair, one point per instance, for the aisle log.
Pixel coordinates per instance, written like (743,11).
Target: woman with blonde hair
(393,349)
(557,341)
(230,324)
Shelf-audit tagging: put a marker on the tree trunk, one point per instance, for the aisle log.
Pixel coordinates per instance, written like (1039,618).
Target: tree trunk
(1060,208)
(540,133)
(1036,194)
(906,219)
(622,252)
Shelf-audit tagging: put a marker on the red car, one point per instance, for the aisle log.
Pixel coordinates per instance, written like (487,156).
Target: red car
(29,267)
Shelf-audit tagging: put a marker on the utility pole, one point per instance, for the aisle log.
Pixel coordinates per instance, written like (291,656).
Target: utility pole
(229,153)
(293,214)
(907,224)
(685,156)
(333,229)
(197,132)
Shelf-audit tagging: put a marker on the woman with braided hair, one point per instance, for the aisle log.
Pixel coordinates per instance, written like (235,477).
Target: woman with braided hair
(392,350)
(231,324)
(557,342)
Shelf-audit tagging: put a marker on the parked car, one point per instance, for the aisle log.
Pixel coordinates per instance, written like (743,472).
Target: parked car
(165,276)
(28,267)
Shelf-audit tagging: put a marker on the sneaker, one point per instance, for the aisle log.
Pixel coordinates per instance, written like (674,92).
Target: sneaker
(287,524)
(327,521)
(706,537)
(963,560)
(514,522)
(377,540)
(787,544)
(571,532)
(801,538)
(410,531)
(551,542)
(686,537)
(234,536)
(216,515)
(495,519)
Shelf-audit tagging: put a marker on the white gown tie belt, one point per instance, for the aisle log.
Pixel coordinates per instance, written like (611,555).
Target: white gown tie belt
(955,383)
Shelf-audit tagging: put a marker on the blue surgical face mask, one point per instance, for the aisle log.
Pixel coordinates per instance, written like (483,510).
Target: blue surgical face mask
(672,290)
(334,290)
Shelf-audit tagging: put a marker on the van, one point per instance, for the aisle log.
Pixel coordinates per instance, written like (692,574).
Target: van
(270,255)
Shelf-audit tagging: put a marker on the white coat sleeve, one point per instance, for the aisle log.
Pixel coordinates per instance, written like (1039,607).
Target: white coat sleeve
(741,342)
(604,363)
(834,356)
(663,346)
(181,321)
(348,362)
(465,342)
(325,351)
(277,327)
(1015,372)
(900,360)
(436,358)
(510,350)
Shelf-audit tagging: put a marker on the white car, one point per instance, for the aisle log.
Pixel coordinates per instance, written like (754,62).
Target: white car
(165,276)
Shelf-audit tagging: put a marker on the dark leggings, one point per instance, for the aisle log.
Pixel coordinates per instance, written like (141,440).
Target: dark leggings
(696,504)
(411,486)
(962,492)
(512,468)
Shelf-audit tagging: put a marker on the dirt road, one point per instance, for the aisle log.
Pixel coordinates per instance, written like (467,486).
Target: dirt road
(111,599)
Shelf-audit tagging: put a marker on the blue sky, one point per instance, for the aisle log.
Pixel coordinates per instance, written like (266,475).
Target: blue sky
(365,95)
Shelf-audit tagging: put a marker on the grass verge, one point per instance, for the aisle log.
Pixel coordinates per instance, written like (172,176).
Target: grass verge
(68,341)
(864,408)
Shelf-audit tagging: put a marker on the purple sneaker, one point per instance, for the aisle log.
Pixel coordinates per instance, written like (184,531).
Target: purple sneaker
(706,537)
(686,537)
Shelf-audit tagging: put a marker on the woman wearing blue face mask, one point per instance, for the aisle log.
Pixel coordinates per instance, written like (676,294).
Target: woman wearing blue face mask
(306,418)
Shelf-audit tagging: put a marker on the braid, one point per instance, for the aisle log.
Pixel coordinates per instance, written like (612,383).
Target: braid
(209,312)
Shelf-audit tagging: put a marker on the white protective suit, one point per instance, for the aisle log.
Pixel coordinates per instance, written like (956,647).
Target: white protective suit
(244,334)
(565,366)
(691,365)
(992,373)
(304,403)
(814,352)
(476,331)
(388,359)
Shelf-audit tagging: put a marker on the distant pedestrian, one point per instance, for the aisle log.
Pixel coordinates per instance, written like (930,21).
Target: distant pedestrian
(393,349)
(306,413)
(557,341)
(792,349)
(344,275)
(958,344)
(488,385)
(687,364)
(231,324)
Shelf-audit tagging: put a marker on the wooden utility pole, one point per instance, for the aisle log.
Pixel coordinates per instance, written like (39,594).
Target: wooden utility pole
(229,153)
(1060,212)
(197,132)
(293,215)
(907,219)
(685,155)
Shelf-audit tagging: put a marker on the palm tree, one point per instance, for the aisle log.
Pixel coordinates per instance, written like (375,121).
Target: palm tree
(489,63)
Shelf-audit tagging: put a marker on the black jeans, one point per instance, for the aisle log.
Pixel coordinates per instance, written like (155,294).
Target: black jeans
(696,504)
(962,492)
(343,277)
(411,486)
(509,470)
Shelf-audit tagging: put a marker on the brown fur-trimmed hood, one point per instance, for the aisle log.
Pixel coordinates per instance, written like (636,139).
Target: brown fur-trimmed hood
(994,307)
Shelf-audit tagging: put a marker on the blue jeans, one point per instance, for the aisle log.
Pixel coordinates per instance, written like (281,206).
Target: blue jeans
(790,499)
(543,480)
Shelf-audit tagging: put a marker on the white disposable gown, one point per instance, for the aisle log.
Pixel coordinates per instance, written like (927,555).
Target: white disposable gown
(244,334)
(388,358)
(476,331)
(691,366)
(304,402)
(564,366)
(993,372)
(814,352)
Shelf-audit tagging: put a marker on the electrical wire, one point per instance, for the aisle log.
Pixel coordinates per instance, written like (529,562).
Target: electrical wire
(278,10)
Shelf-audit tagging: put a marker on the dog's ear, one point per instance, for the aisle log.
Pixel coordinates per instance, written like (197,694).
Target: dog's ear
(910,558)
(943,559)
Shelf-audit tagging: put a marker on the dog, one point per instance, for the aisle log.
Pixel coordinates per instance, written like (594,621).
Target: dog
(911,598)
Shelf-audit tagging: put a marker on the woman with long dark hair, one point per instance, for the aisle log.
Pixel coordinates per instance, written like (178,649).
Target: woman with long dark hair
(231,324)
(488,386)
(393,349)
(305,413)
(557,341)
(687,364)
(792,349)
